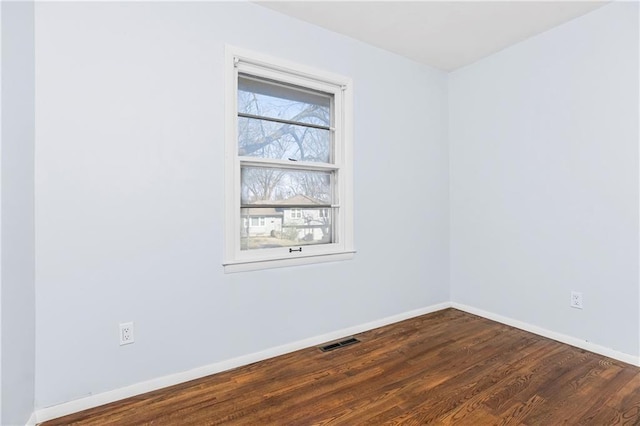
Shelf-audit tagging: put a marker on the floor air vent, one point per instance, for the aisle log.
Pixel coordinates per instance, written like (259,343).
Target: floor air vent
(341,344)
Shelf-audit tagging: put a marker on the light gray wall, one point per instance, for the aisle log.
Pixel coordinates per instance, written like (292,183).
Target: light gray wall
(544,179)
(0,212)
(129,189)
(17,342)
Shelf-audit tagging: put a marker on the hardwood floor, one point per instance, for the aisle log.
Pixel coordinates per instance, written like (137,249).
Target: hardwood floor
(448,367)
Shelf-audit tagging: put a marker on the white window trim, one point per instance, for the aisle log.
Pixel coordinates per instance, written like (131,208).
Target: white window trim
(236,260)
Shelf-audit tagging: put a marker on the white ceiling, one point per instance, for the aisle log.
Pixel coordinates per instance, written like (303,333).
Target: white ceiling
(443,34)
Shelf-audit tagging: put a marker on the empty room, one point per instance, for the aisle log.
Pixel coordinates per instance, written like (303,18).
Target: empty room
(298,213)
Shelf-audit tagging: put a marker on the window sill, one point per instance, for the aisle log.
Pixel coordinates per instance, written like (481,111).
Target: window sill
(255,265)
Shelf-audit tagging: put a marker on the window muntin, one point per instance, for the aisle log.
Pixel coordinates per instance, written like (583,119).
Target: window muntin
(288,161)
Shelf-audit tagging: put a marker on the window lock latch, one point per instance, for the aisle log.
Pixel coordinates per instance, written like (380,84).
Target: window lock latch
(298,249)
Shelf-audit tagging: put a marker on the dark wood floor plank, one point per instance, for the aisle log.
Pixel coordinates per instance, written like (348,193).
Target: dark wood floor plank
(519,411)
(502,374)
(626,395)
(521,375)
(448,367)
(473,376)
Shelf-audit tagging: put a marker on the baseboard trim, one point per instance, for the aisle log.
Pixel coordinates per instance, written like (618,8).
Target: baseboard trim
(32,420)
(562,338)
(103,398)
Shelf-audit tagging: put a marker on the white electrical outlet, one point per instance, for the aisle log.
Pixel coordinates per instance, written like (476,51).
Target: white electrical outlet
(576,300)
(126,333)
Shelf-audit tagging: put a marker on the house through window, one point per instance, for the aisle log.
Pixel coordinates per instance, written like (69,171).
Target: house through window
(288,164)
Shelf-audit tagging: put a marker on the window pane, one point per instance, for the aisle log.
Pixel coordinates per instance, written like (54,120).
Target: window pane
(262,185)
(281,228)
(268,139)
(266,99)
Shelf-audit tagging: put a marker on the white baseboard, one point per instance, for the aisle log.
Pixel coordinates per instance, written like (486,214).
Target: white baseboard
(92,401)
(563,338)
(32,420)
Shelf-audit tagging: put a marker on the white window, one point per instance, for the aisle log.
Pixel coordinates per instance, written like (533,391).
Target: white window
(257,221)
(288,149)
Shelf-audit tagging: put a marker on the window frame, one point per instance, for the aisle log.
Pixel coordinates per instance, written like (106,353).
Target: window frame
(262,66)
